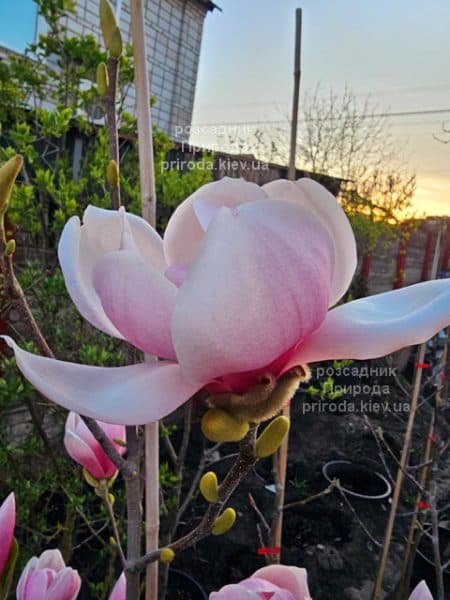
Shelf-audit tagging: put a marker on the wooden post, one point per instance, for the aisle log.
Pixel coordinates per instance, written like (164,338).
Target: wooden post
(366,265)
(280,458)
(446,254)
(148,202)
(295,101)
(400,268)
(376,594)
(427,256)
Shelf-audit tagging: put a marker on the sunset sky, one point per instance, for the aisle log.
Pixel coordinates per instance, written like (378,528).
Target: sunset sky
(398,52)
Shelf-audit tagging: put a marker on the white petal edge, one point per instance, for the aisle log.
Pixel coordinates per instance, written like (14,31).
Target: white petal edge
(380,324)
(131,395)
(318,200)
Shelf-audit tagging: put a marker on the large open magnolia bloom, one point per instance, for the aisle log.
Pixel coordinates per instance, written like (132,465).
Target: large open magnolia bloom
(239,287)
(48,578)
(281,582)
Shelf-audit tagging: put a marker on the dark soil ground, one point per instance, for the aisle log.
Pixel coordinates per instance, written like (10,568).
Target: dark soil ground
(336,539)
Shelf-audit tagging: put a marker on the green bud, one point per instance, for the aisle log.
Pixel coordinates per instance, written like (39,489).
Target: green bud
(115,48)
(219,426)
(209,487)
(95,483)
(272,437)
(112,173)
(102,80)
(108,21)
(112,541)
(10,247)
(166,555)
(225,522)
(8,174)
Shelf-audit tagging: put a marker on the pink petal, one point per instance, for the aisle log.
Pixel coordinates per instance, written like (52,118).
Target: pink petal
(265,588)
(114,432)
(131,395)
(324,206)
(29,568)
(234,591)
(81,453)
(184,233)
(119,591)
(259,283)
(177,273)
(292,579)
(380,324)
(421,592)
(7,524)
(34,586)
(66,585)
(138,300)
(51,559)
(80,248)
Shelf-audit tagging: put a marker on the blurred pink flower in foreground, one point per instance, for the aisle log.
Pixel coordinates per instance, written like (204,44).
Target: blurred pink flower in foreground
(275,582)
(119,591)
(86,451)
(240,287)
(48,578)
(280,582)
(7,524)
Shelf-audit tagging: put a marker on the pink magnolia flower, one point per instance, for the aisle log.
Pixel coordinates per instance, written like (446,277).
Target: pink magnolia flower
(48,578)
(421,592)
(239,287)
(275,582)
(86,451)
(280,582)
(7,524)
(119,591)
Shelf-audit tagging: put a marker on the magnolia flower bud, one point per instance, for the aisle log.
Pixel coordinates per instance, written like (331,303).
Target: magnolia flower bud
(219,426)
(102,80)
(119,591)
(8,174)
(167,555)
(209,487)
(115,48)
(10,247)
(48,577)
(108,22)
(272,437)
(86,450)
(225,522)
(112,173)
(8,553)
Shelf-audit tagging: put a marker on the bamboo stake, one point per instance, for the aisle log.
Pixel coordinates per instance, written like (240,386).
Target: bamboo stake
(376,594)
(280,458)
(148,201)
(295,101)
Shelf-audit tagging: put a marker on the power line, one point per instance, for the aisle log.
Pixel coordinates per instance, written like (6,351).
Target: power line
(404,113)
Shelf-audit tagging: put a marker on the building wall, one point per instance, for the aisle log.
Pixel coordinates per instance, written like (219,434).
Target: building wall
(174,32)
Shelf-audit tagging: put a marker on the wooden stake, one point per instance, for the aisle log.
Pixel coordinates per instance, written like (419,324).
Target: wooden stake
(148,201)
(376,594)
(295,101)
(280,458)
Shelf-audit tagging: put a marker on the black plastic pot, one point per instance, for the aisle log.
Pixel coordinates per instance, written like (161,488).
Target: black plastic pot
(182,586)
(357,480)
